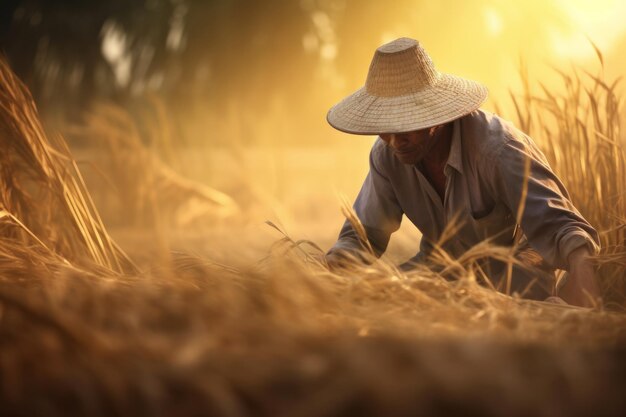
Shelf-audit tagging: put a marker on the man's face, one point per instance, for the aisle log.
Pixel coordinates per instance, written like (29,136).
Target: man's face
(411,147)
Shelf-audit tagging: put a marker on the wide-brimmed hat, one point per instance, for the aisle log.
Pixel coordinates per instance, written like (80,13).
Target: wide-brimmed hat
(404,92)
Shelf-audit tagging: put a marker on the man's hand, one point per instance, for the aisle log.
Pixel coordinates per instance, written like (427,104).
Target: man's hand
(581,287)
(336,260)
(344,259)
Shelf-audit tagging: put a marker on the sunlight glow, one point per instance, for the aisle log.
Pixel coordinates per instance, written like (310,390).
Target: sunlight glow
(175,37)
(115,51)
(602,21)
(493,21)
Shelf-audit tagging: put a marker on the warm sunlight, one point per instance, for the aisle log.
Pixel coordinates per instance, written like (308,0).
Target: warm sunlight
(493,21)
(312,208)
(602,21)
(480,39)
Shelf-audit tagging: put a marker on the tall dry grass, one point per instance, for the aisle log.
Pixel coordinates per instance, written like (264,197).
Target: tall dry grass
(578,127)
(43,199)
(284,336)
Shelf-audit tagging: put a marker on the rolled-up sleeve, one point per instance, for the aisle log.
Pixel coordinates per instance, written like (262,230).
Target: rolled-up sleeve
(551,223)
(377,208)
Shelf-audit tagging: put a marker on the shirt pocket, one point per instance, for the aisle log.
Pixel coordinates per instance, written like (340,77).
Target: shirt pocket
(498,225)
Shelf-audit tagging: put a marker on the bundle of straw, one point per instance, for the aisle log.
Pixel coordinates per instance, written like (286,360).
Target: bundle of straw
(43,198)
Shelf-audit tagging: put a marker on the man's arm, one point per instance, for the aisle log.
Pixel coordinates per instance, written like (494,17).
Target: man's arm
(581,287)
(377,208)
(551,223)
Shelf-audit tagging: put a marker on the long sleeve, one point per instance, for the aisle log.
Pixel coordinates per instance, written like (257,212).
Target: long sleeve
(551,223)
(378,210)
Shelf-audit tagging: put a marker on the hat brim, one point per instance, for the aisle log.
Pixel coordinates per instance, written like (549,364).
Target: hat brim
(450,98)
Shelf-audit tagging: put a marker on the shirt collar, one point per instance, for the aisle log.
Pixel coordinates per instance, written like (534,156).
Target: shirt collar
(455,159)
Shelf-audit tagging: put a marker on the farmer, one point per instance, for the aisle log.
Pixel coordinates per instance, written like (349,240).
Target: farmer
(445,163)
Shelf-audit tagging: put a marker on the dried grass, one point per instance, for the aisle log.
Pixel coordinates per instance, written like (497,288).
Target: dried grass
(285,336)
(38,172)
(579,132)
(149,192)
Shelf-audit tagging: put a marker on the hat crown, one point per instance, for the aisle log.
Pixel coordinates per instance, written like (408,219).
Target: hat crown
(400,67)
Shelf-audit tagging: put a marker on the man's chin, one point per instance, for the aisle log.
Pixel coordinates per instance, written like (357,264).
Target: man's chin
(408,159)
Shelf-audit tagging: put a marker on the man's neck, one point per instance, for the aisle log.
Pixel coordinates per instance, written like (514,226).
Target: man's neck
(438,155)
(432,167)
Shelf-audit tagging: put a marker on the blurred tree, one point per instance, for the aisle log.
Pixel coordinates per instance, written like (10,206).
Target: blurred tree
(243,53)
(70,51)
(249,51)
(56,46)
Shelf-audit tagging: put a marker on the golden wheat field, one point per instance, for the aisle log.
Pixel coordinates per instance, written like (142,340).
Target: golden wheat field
(168,297)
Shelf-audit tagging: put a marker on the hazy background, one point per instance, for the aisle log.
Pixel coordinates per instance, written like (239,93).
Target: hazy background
(243,86)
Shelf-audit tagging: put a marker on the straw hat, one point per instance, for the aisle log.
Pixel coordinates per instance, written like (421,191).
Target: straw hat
(404,92)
